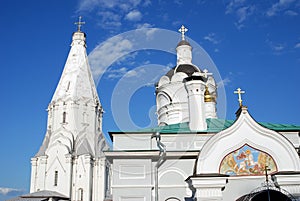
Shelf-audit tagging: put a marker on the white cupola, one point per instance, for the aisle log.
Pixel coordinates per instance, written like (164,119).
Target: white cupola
(180,94)
(184,49)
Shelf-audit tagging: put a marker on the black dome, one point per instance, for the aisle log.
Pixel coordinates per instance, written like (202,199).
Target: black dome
(183,42)
(184,68)
(187,69)
(170,73)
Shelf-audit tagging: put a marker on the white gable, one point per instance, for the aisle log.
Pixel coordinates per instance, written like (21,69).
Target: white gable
(246,131)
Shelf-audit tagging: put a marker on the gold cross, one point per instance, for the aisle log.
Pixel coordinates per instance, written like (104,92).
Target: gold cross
(182,30)
(79,24)
(239,92)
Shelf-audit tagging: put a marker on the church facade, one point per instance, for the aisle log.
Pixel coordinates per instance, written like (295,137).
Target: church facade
(190,155)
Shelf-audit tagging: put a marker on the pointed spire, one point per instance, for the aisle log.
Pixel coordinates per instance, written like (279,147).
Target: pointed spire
(76,80)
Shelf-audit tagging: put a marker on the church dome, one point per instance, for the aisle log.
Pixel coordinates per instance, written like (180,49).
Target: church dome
(188,69)
(170,73)
(183,42)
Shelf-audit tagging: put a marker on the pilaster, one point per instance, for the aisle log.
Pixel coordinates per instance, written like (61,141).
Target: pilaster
(33,174)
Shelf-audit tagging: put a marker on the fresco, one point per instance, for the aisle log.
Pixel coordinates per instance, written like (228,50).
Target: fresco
(247,161)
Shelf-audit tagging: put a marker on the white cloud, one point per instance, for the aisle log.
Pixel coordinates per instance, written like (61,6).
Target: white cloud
(144,26)
(297,45)
(147,3)
(278,7)
(277,48)
(10,191)
(224,82)
(134,15)
(233,5)
(244,12)
(241,9)
(112,12)
(121,5)
(211,37)
(107,53)
(177,23)
(147,30)
(109,19)
(132,73)
(178,2)
(290,13)
(116,73)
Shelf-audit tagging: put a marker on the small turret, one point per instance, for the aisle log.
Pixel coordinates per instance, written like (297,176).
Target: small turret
(183,49)
(195,86)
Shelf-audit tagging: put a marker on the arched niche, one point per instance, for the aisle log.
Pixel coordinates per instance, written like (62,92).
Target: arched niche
(247,160)
(163,80)
(172,176)
(162,99)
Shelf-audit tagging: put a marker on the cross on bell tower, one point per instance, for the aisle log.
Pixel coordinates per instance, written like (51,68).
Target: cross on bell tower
(239,92)
(79,24)
(182,30)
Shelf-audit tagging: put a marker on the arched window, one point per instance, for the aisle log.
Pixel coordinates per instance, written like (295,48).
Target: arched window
(80,194)
(64,117)
(55,178)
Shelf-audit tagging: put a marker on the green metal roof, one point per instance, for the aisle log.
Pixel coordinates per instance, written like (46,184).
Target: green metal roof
(214,126)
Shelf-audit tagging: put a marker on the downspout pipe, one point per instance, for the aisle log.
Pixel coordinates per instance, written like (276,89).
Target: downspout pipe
(162,155)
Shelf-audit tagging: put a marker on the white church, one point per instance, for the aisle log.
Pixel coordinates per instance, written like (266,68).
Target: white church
(190,155)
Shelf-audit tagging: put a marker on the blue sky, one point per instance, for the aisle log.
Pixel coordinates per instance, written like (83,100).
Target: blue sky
(254,45)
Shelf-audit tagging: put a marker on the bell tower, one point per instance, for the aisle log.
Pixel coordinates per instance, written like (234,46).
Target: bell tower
(70,160)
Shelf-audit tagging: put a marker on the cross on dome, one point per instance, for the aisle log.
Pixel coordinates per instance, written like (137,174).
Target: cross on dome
(79,24)
(182,30)
(239,92)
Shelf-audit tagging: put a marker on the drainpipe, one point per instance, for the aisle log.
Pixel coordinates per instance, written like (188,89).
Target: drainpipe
(162,154)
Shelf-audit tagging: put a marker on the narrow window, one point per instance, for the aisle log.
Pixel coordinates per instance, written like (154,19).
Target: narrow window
(55,178)
(68,87)
(85,116)
(64,117)
(80,194)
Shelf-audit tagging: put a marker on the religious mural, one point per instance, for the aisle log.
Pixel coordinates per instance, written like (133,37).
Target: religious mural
(247,161)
